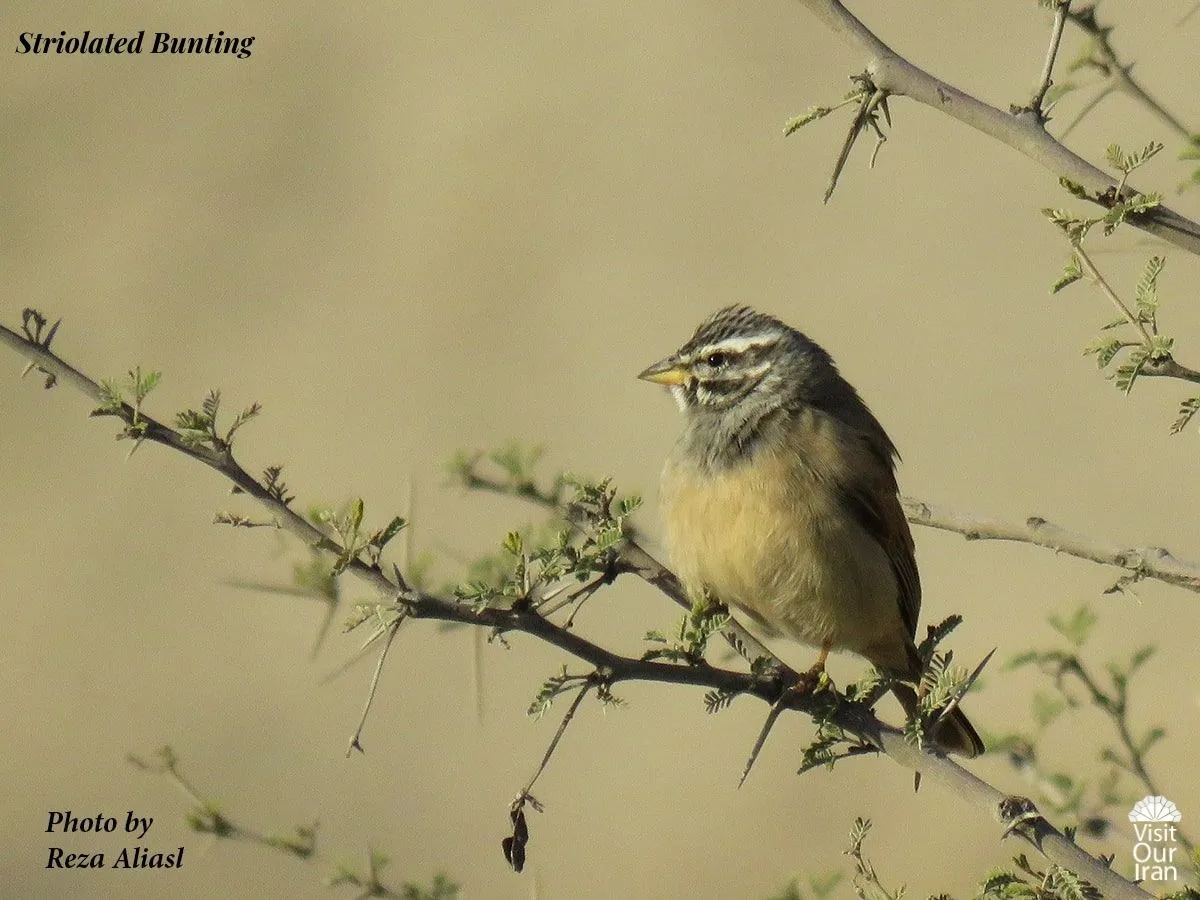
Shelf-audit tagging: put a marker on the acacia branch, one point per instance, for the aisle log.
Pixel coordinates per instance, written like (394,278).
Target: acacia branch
(1169,368)
(1061,9)
(1021,128)
(1140,562)
(1097,278)
(1015,815)
(1121,74)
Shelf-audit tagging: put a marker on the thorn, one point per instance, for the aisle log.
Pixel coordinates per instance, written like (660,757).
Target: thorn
(777,708)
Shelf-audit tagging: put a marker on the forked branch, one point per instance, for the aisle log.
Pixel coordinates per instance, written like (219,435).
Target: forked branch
(854,718)
(1021,128)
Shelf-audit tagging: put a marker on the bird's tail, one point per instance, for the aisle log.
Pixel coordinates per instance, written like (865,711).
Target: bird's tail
(954,734)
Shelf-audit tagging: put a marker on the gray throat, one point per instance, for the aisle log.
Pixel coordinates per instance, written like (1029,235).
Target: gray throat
(730,437)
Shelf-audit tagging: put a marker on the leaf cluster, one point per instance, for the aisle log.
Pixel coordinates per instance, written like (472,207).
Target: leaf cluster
(553,687)
(198,428)
(1120,205)
(1133,339)
(942,685)
(33,325)
(940,688)
(1191,152)
(688,642)
(866,882)
(819,887)
(1029,883)
(535,573)
(1094,801)
(300,841)
(136,386)
(511,469)
(346,527)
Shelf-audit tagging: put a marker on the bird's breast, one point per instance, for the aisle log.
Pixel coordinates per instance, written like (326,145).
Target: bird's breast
(769,535)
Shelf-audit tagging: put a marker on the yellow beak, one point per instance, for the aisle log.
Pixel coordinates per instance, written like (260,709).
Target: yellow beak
(668,372)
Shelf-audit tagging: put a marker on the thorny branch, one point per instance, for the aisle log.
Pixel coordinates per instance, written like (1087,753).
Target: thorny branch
(1021,128)
(1106,60)
(1062,9)
(1138,562)
(852,717)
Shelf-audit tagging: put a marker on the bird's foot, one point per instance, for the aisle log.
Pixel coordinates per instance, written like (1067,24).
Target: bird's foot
(811,681)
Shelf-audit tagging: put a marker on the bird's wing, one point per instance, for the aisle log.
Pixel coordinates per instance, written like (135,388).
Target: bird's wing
(874,501)
(858,457)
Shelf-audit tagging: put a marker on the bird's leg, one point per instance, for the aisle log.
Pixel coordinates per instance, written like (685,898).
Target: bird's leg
(809,680)
(819,665)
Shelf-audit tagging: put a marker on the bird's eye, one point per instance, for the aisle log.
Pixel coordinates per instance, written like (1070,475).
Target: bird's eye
(717,360)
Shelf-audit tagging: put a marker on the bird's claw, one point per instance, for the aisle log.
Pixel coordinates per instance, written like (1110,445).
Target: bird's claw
(810,682)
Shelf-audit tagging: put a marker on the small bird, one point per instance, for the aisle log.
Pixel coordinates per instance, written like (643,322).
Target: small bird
(780,500)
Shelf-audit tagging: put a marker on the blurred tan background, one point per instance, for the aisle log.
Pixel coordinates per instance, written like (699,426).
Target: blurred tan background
(407,229)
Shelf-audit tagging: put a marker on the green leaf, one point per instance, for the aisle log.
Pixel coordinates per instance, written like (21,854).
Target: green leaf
(1146,293)
(1057,92)
(1127,373)
(1187,409)
(144,384)
(551,688)
(1045,708)
(1105,350)
(380,539)
(1078,627)
(821,752)
(1127,162)
(628,505)
(1122,210)
(813,114)
(1076,229)
(276,486)
(1191,149)
(513,543)
(1145,154)
(1075,188)
(111,401)
(935,634)
(715,701)
(1149,739)
(1141,657)
(1022,659)
(1161,346)
(1071,273)
(241,419)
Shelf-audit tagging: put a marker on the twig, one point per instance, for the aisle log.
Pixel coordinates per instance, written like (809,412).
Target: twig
(850,717)
(1019,129)
(872,99)
(1121,73)
(1062,8)
(1087,108)
(1116,707)
(1169,368)
(355,743)
(562,728)
(1142,562)
(1098,279)
(635,560)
